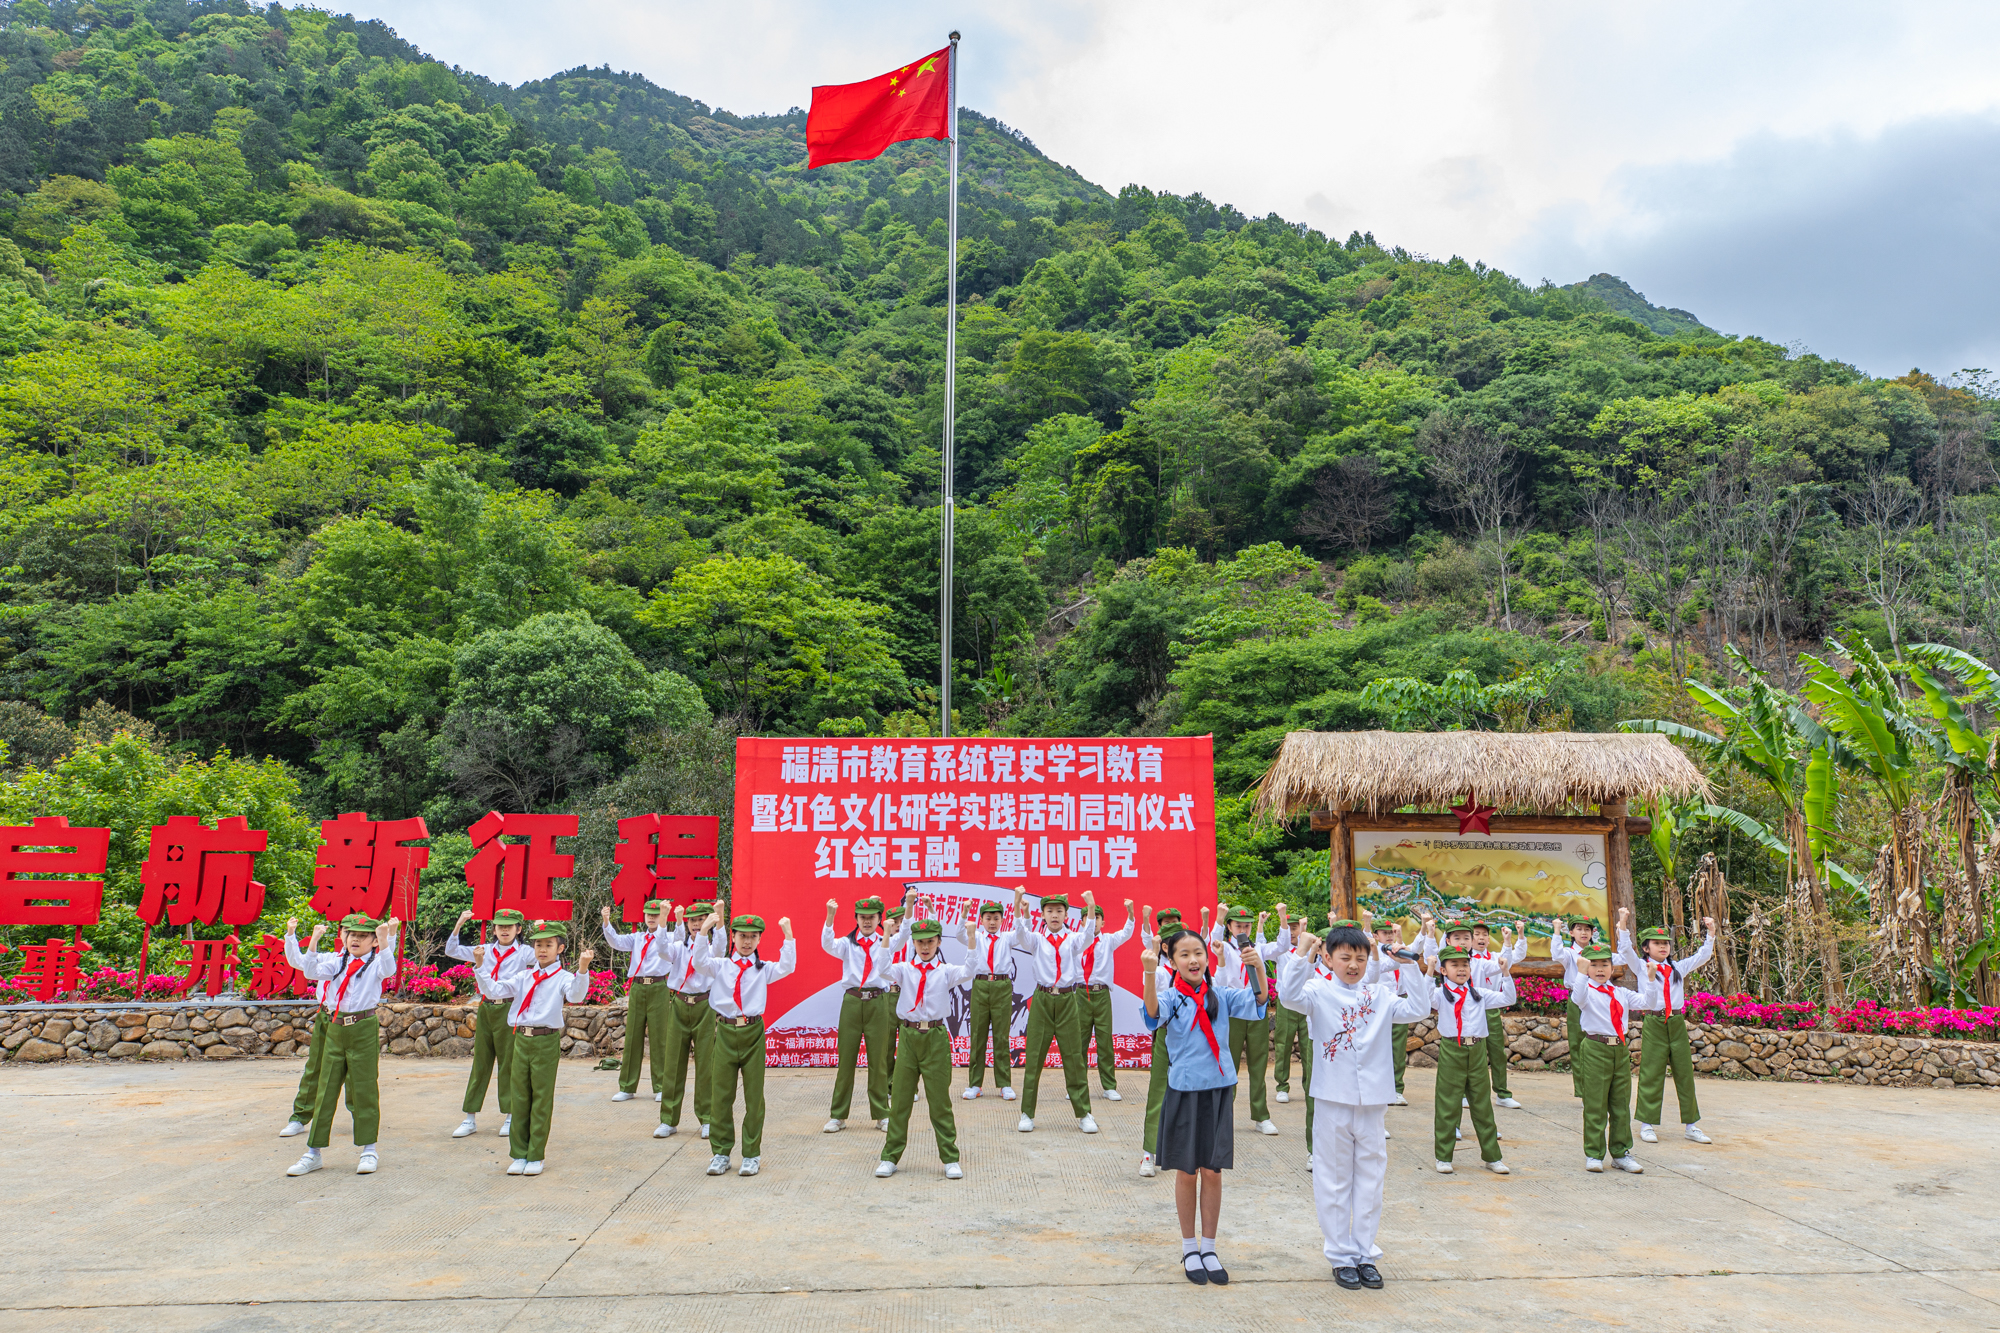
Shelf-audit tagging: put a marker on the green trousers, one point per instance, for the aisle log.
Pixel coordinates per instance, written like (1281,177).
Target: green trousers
(1462,1075)
(536,1060)
(1156,1093)
(305,1105)
(1605,1074)
(352,1062)
(492,1043)
(690,1031)
(1665,1046)
(926,1054)
(1495,1047)
(1399,1034)
(1250,1039)
(992,1014)
(875,1021)
(645,1035)
(1575,1032)
(737,1050)
(1054,1017)
(1094,1009)
(1292,1036)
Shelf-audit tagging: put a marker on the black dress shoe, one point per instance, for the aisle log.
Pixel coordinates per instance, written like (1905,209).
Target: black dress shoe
(1219,1276)
(1348,1278)
(1191,1265)
(1369,1277)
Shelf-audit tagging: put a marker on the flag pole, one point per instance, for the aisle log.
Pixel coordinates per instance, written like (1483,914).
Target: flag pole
(950,460)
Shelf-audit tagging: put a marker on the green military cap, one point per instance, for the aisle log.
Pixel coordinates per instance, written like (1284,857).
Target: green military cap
(1456,925)
(926,930)
(1097,909)
(699,903)
(549,932)
(653,907)
(984,908)
(1240,914)
(1345,923)
(1388,923)
(1655,933)
(1579,919)
(747,921)
(896,911)
(867,907)
(1170,917)
(1453,955)
(507,916)
(359,923)
(1055,900)
(1597,953)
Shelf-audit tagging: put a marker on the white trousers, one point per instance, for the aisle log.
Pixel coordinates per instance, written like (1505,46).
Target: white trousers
(1350,1162)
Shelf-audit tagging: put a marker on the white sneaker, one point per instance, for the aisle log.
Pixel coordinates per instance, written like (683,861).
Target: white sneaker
(1465,1102)
(1026,1126)
(517,1166)
(1458,1133)
(366,1166)
(1507,1102)
(1113,1095)
(532,1169)
(506,1125)
(883,1124)
(1693,1134)
(719,1164)
(1311,1158)
(621,1096)
(953,1171)
(884,1169)
(663,1131)
(1385,1134)
(306,1165)
(1399,1100)
(1629,1163)
(1444,1168)
(1006,1094)
(292,1129)
(971,1094)
(1266,1127)
(833,1127)
(466,1127)
(1283,1095)
(1147,1166)
(1088,1124)
(1498,1168)
(1593,1164)
(704,1130)
(656,1096)
(1646,1134)
(749,1167)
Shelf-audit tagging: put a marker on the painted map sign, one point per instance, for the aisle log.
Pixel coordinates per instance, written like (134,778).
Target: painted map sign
(1504,879)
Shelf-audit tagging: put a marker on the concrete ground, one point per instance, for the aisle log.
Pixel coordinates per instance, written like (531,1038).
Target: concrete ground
(154,1196)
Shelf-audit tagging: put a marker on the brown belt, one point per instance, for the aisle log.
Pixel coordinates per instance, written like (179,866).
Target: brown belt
(349,1020)
(1054,990)
(925,1026)
(537,1032)
(691,996)
(1094,989)
(864,992)
(646,981)
(1608,1041)
(740,1021)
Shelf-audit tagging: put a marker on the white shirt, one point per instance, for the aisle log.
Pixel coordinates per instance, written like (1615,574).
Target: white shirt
(682,974)
(648,959)
(548,987)
(1384,970)
(1095,963)
(1596,1004)
(502,960)
(1674,972)
(1230,970)
(1350,1027)
(731,979)
(1461,1010)
(989,950)
(306,963)
(864,959)
(936,979)
(354,989)
(1055,954)
(1571,958)
(1486,966)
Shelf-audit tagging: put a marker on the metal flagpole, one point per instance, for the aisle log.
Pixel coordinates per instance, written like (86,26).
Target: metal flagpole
(950,406)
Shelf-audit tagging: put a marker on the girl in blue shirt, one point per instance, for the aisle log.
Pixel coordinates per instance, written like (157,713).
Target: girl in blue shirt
(1197,1121)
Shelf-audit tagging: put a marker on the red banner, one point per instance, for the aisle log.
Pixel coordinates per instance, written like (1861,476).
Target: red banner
(965,820)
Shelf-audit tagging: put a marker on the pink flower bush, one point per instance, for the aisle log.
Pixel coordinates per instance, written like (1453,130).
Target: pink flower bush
(1957,1024)
(1538,995)
(1750,1012)
(603,988)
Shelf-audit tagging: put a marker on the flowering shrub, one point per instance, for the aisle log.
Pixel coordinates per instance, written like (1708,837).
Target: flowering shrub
(1750,1012)
(426,983)
(1981,1024)
(603,988)
(1537,995)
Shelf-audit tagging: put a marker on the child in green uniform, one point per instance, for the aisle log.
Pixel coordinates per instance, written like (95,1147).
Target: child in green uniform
(991,954)
(1053,1014)
(1288,1027)
(536,1020)
(1502,961)
(1582,929)
(354,980)
(690,1029)
(738,989)
(1250,1038)
(645,1000)
(1168,923)
(1603,1063)
(1097,969)
(867,1011)
(1462,1002)
(305,1102)
(1386,967)
(1666,1035)
(925,983)
(492,1039)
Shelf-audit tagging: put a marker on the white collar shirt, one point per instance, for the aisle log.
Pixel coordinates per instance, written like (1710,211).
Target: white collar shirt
(990,950)
(1055,953)
(538,994)
(648,959)
(740,986)
(1461,1010)
(1674,972)
(502,960)
(1096,963)
(1350,1027)
(864,959)
(926,988)
(354,985)
(1595,1000)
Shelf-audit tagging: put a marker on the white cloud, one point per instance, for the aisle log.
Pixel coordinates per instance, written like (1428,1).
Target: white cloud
(1724,158)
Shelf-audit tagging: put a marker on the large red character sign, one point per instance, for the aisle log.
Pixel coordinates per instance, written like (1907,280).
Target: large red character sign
(194,873)
(362,866)
(57,849)
(669,857)
(964,820)
(520,873)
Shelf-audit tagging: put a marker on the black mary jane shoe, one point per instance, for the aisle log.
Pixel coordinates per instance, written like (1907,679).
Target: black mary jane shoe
(1348,1278)
(1370,1278)
(1197,1274)
(1218,1275)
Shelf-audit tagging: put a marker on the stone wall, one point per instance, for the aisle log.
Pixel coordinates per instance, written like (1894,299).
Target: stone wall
(230,1030)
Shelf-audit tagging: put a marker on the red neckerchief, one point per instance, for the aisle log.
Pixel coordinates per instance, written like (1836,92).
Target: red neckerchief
(867,944)
(1090,956)
(923,978)
(1199,994)
(353,967)
(500,956)
(1667,984)
(742,965)
(528,1000)
(991,941)
(1458,1009)
(1617,1011)
(1057,942)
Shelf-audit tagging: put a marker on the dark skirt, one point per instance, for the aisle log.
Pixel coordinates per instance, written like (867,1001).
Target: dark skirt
(1198,1130)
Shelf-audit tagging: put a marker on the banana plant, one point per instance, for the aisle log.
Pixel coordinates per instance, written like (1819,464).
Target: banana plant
(1971,770)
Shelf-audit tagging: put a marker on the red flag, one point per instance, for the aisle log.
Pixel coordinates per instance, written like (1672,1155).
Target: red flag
(852,122)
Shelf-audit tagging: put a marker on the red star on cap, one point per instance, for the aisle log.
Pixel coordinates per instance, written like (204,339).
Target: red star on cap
(1474,817)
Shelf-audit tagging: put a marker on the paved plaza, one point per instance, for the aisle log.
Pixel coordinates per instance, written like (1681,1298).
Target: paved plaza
(154,1197)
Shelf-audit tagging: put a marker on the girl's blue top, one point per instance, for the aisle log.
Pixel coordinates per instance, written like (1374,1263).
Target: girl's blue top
(1191,1067)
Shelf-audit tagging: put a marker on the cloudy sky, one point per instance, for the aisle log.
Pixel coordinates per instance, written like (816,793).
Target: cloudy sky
(1823,174)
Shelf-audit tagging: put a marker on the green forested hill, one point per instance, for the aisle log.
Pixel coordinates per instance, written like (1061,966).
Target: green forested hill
(453,444)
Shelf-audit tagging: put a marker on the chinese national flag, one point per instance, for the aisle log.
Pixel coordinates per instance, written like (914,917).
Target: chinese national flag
(852,122)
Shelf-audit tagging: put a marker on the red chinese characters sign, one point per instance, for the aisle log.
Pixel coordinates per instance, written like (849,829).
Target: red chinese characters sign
(516,865)
(194,873)
(669,857)
(967,818)
(362,866)
(58,849)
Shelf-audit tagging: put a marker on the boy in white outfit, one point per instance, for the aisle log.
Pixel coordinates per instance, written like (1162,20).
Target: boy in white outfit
(1096,966)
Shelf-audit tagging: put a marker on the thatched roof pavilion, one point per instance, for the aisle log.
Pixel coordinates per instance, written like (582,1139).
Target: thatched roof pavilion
(1546,772)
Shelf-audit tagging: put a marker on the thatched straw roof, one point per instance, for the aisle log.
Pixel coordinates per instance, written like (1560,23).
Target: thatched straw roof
(1544,772)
